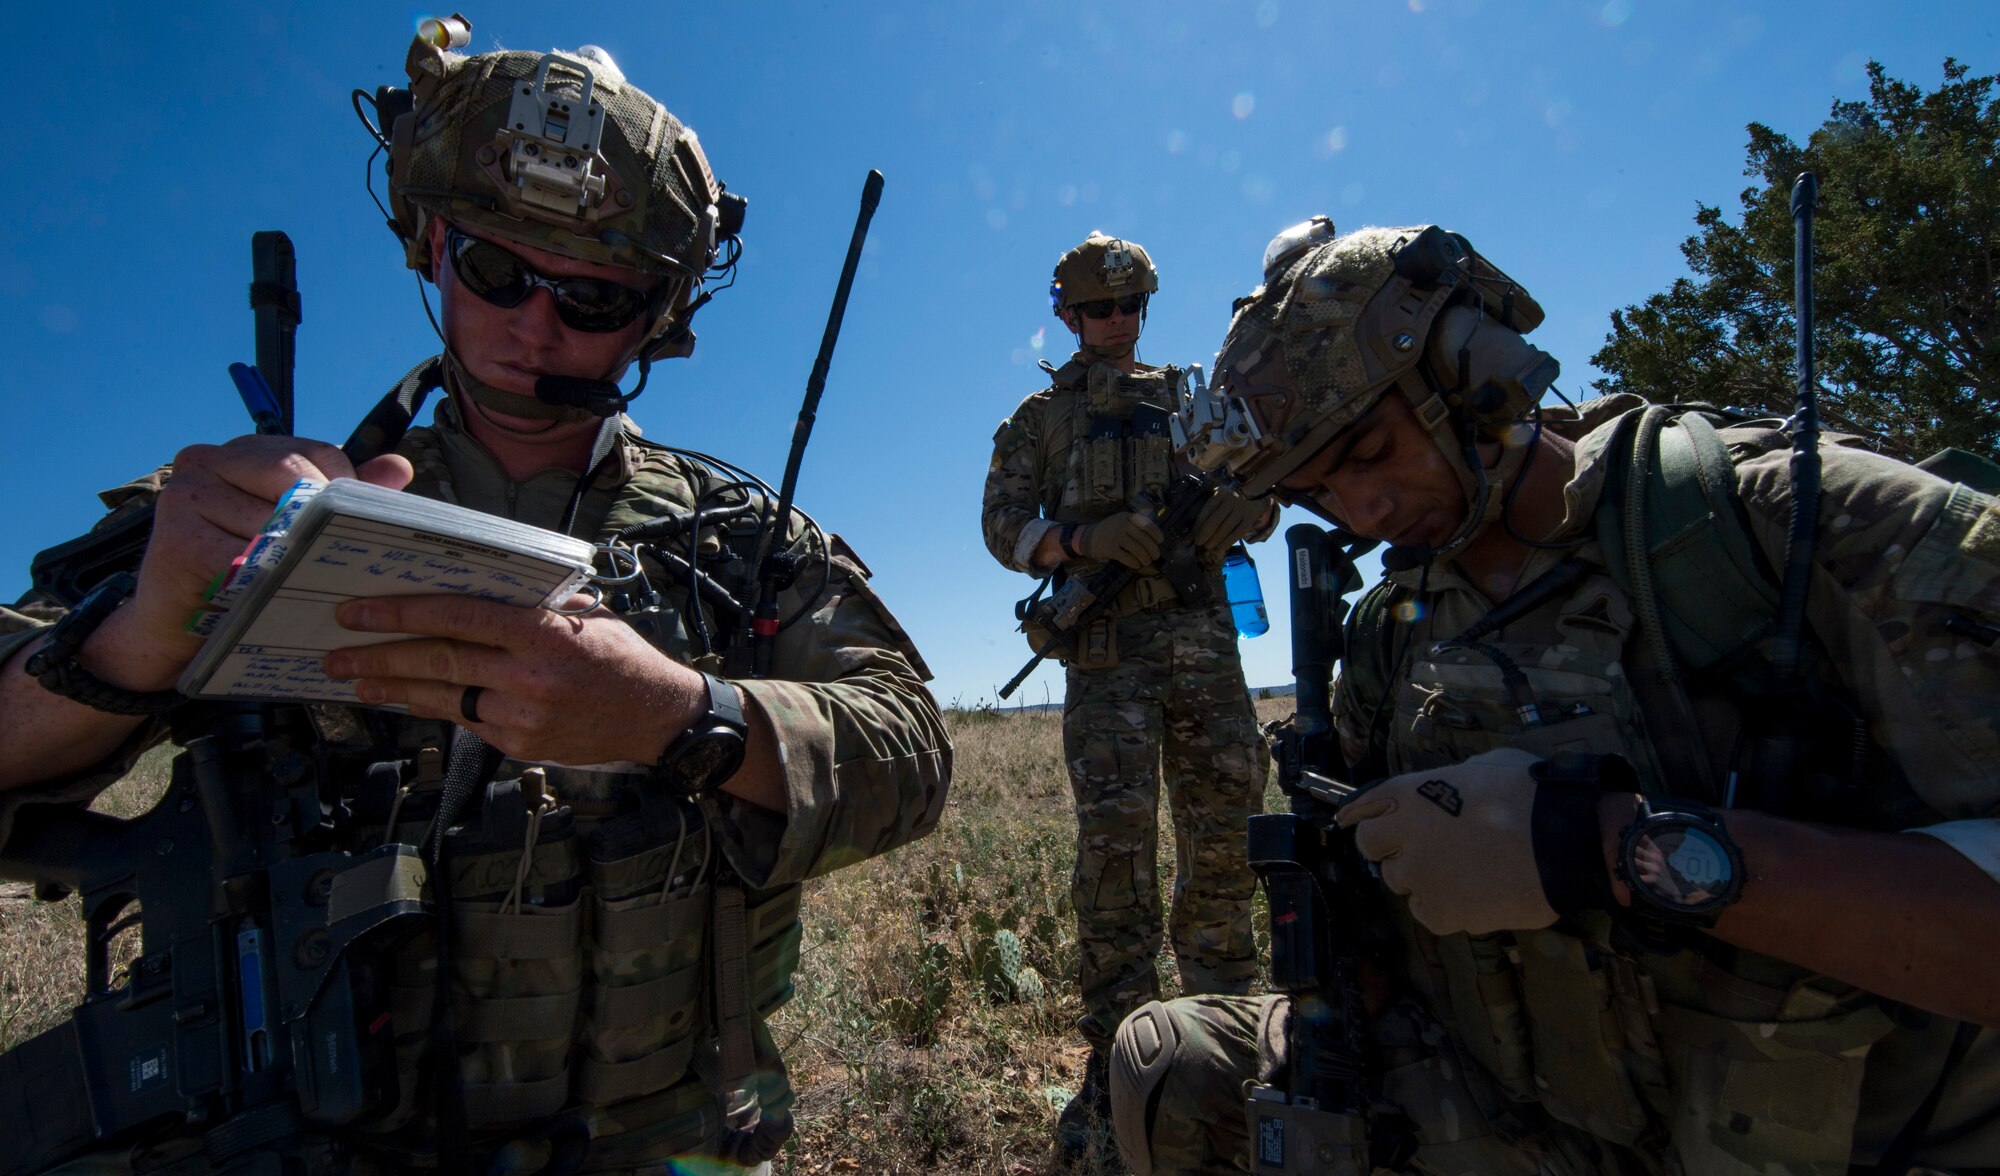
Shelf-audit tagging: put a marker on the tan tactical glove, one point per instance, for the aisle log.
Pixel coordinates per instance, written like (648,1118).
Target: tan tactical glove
(1227,518)
(1462,843)
(1130,538)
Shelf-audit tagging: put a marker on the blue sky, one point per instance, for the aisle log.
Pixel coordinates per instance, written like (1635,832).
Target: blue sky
(1570,140)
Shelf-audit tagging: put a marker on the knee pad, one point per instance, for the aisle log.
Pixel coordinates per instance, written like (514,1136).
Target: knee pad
(1141,1056)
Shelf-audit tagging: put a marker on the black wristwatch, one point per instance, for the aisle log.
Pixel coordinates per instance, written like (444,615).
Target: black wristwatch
(711,749)
(1679,863)
(54,665)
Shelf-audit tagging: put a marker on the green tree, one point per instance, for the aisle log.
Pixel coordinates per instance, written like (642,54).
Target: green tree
(1907,334)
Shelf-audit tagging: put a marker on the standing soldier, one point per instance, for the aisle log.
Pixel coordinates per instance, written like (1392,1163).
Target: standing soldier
(1648,909)
(1073,470)
(571,225)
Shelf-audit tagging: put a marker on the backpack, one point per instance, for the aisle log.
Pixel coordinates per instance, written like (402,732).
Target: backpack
(1676,541)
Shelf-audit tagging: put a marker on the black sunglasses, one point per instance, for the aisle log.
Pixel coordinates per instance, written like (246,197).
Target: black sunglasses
(1102,307)
(498,276)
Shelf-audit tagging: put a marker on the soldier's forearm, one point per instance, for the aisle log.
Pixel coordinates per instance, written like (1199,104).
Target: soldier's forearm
(1902,915)
(44,736)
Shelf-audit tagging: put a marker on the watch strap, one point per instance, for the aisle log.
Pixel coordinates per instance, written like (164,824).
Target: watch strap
(54,665)
(723,717)
(725,704)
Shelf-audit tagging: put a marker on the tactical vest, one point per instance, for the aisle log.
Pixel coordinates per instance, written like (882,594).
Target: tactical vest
(1719,1059)
(1113,458)
(585,980)
(1121,451)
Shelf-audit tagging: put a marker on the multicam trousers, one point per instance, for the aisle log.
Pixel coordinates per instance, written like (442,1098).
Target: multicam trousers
(1176,698)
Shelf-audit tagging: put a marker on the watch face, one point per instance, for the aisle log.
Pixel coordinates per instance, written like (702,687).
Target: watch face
(702,760)
(707,758)
(1681,865)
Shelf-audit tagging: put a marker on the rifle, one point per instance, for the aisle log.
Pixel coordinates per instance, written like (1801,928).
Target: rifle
(255,1009)
(1327,912)
(1082,600)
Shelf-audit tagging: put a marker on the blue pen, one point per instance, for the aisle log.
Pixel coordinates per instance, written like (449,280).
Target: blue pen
(257,397)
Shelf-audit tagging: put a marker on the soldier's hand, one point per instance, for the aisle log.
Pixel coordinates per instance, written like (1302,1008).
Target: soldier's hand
(551,687)
(1130,538)
(1461,843)
(1227,518)
(217,500)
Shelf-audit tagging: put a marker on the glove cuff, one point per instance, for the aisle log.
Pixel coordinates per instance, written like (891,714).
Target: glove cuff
(1569,847)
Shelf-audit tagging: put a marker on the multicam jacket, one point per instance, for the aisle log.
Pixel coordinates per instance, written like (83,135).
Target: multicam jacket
(585,983)
(1724,1060)
(1072,453)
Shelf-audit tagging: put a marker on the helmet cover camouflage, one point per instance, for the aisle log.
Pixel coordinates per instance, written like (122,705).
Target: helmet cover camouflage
(557,151)
(1102,267)
(1340,324)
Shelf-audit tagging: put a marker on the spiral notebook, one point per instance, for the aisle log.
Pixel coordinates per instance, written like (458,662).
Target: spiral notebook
(269,619)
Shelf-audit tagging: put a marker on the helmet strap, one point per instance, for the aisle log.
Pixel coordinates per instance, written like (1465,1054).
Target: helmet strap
(1456,435)
(460,382)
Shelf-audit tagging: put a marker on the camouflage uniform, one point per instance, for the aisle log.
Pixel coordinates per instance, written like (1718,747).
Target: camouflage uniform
(1566,1050)
(1163,684)
(622,1031)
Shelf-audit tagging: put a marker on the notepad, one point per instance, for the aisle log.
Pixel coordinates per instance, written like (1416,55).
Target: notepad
(269,618)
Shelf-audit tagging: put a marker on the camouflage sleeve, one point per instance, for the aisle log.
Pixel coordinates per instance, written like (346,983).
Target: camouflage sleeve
(1011,509)
(864,749)
(1899,555)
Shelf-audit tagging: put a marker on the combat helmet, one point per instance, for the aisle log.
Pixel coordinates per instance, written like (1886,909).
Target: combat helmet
(1342,322)
(1101,267)
(559,151)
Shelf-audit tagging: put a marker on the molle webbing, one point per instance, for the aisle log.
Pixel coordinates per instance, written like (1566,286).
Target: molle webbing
(646,927)
(1121,446)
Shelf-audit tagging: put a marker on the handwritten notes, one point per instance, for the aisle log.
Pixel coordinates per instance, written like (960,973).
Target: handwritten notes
(351,540)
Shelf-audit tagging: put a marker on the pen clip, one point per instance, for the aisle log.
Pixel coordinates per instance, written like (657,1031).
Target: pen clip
(257,397)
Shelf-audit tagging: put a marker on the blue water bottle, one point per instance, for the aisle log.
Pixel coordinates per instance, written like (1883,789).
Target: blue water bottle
(1246,595)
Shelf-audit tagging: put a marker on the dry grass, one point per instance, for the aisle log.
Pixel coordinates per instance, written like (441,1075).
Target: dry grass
(969,1078)
(41,943)
(910,1050)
